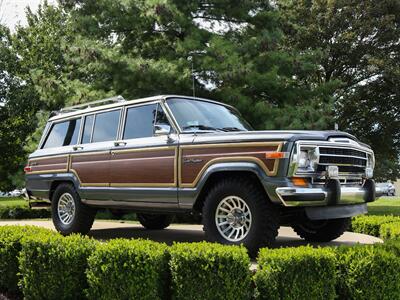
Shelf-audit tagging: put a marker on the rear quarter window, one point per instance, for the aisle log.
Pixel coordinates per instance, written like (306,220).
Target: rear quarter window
(63,134)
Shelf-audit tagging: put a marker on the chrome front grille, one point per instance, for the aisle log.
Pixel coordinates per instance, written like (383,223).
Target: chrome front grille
(348,160)
(352,159)
(342,151)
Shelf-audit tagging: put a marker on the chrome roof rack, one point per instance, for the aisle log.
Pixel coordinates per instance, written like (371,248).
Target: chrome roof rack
(77,107)
(115,99)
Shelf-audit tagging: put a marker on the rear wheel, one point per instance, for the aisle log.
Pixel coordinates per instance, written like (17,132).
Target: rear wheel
(236,211)
(69,214)
(321,230)
(154,221)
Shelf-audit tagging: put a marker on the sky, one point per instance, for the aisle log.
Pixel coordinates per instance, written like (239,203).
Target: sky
(12,12)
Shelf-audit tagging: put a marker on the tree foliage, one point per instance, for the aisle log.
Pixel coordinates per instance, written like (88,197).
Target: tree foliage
(18,104)
(284,64)
(360,47)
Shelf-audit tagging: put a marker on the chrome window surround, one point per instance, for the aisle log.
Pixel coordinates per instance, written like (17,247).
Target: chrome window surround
(343,143)
(123,106)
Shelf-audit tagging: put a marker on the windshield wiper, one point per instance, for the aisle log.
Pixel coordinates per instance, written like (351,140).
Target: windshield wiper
(201,127)
(230,129)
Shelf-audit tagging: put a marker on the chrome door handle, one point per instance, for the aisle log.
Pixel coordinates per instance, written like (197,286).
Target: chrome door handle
(77,148)
(119,143)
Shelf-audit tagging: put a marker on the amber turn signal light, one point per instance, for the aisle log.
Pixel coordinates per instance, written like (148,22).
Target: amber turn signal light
(300,181)
(274,155)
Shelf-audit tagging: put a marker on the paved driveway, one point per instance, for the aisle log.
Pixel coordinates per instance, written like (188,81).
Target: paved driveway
(105,230)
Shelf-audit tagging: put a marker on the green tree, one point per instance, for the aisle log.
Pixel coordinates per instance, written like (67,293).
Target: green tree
(141,48)
(18,105)
(359,46)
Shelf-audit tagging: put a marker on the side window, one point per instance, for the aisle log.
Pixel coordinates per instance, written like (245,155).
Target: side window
(139,121)
(63,134)
(87,129)
(106,126)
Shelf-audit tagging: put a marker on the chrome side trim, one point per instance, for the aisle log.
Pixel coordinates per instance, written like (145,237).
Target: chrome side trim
(131,204)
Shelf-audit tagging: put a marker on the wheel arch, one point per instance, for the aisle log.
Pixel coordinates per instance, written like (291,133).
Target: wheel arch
(60,179)
(218,172)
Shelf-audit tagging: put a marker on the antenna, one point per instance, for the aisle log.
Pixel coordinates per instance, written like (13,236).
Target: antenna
(191,59)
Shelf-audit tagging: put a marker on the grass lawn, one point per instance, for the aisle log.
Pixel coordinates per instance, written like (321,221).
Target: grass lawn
(13,201)
(385,206)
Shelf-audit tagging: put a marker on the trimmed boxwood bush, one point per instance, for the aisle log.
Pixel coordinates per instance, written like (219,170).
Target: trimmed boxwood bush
(209,271)
(371,224)
(368,272)
(53,266)
(392,246)
(390,231)
(128,269)
(24,213)
(296,273)
(10,246)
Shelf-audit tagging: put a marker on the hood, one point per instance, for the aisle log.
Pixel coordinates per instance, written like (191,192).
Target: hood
(267,135)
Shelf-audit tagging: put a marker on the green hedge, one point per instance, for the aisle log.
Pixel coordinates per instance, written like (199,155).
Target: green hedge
(53,267)
(50,266)
(296,273)
(368,272)
(371,224)
(10,247)
(23,213)
(128,269)
(209,271)
(390,231)
(392,246)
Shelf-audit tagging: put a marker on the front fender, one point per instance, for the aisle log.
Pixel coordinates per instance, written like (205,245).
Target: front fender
(188,196)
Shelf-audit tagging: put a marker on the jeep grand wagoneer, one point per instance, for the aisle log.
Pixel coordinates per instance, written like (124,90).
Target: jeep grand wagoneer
(172,154)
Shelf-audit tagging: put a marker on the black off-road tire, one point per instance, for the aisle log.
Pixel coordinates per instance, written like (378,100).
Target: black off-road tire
(84,215)
(321,231)
(155,221)
(265,216)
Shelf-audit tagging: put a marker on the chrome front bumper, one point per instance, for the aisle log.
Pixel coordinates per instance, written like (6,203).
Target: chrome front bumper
(327,195)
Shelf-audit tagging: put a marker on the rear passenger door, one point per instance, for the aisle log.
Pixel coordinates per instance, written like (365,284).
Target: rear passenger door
(90,160)
(143,164)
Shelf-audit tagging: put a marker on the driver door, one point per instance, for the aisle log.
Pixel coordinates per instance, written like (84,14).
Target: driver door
(143,161)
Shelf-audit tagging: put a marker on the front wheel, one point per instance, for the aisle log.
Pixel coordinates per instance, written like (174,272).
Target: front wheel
(69,214)
(154,221)
(321,230)
(236,211)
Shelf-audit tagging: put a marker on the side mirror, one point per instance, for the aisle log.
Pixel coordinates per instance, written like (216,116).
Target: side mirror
(162,129)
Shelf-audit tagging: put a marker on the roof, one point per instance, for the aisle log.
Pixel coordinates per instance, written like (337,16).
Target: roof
(66,115)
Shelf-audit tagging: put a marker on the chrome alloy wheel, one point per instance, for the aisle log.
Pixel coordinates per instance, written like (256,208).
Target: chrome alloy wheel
(233,218)
(66,208)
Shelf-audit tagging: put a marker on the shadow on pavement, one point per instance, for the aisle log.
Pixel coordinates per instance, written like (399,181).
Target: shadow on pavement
(171,235)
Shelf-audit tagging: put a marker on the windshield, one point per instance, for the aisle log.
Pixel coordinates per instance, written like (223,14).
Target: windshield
(197,115)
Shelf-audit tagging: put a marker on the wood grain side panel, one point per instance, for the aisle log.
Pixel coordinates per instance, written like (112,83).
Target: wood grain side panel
(193,161)
(144,168)
(50,164)
(91,168)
